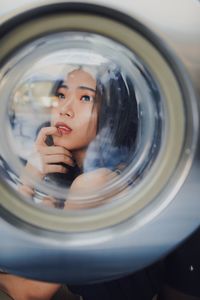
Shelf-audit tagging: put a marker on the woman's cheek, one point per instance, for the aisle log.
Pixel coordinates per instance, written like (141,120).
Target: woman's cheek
(94,121)
(91,117)
(54,115)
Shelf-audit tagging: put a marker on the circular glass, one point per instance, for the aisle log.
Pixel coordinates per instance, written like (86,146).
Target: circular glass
(83,121)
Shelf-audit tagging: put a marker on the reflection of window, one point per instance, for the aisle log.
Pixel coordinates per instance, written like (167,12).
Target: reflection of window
(36,94)
(30,107)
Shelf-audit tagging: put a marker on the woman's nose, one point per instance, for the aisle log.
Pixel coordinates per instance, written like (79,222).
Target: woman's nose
(67,108)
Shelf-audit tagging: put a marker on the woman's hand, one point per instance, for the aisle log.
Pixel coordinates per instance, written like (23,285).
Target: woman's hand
(46,159)
(25,289)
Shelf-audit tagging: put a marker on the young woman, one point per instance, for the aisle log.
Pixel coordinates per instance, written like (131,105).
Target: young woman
(91,138)
(92,133)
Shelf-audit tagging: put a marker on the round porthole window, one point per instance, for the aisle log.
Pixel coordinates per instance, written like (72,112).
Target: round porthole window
(100,130)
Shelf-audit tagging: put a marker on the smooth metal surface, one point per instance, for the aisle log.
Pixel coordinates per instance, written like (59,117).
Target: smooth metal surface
(177,22)
(121,249)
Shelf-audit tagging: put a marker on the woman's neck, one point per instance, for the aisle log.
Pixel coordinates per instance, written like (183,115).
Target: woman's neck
(79,156)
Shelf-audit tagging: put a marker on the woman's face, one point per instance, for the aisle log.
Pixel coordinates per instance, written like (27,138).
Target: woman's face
(75,114)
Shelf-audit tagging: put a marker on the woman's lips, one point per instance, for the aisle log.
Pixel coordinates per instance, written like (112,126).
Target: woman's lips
(63,128)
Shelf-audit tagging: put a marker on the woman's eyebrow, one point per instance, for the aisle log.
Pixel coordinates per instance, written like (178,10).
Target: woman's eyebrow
(82,87)
(63,86)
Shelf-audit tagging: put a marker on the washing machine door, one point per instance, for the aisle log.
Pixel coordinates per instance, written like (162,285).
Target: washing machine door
(99,159)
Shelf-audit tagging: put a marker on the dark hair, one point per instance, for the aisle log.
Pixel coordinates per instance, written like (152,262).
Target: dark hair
(117,121)
(119,108)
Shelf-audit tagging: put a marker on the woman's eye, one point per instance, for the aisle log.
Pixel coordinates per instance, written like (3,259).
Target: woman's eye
(86,98)
(60,96)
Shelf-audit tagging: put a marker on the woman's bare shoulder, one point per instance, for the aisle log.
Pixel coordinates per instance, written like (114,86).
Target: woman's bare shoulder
(84,184)
(93,179)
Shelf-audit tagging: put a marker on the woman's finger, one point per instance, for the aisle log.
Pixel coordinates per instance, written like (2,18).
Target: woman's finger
(58,158)
(50,150)
(43,134)
(54,169)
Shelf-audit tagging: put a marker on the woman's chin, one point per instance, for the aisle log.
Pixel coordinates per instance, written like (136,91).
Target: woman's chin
(69,144)
(59,141)
(64,145)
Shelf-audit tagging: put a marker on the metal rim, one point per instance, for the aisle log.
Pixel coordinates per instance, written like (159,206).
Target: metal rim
(177,147)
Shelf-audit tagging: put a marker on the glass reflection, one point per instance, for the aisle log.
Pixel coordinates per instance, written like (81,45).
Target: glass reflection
(80,131)
(84,121)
